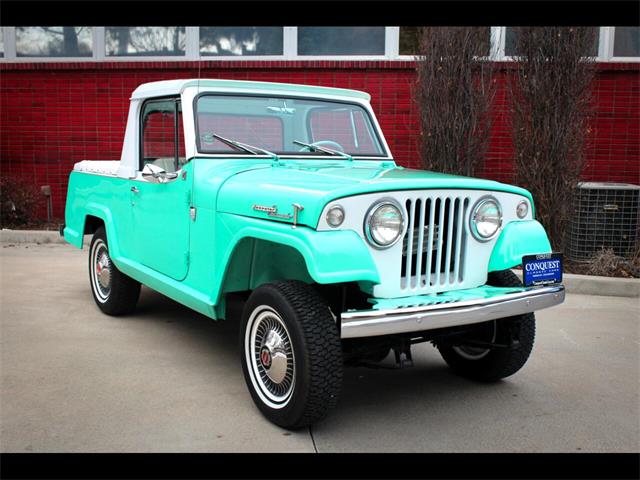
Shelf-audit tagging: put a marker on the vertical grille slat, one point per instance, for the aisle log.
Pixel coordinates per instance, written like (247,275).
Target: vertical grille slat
(459,228)
(441,209)
(420,209)
(432,207)
(434,245)
(449,244)
(409,246)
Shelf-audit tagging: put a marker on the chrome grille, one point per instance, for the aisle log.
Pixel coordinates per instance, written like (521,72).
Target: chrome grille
(433,249)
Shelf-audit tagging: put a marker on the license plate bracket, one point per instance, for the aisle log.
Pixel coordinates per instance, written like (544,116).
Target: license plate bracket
(542,269)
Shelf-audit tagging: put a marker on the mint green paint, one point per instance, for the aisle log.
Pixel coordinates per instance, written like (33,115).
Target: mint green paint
(231,247)
(255,262)
(330,257)
(483,292)
(314,183)
(160,215)
(516,240)
(181,292)
(103,197)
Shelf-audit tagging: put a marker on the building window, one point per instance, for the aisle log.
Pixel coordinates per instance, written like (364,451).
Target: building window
(410,40)
(341,40)
(511,39)
(53,42)
(241,41)
(626,42)
(145,41)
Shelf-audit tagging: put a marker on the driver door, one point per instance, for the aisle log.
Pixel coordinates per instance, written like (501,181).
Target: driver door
(161,205)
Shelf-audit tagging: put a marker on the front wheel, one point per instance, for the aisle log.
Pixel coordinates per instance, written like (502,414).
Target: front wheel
(114,292)
(291,353)
(474,361)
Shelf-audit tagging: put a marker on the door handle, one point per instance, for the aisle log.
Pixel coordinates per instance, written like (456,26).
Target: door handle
(135,190)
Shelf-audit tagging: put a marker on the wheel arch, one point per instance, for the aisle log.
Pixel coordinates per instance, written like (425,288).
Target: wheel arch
(262,252)
(94,217)
(91,224)
(255,261)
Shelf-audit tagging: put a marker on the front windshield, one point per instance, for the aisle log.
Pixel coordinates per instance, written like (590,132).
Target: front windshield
(276,123)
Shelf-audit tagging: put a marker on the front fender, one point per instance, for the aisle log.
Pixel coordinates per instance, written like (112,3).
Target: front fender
(330,257)
(516,240)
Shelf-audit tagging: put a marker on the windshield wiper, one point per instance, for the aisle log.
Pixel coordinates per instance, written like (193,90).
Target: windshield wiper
(245,147)
(329,151)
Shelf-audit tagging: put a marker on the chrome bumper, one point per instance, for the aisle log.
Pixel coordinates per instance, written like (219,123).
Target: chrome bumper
(371,323)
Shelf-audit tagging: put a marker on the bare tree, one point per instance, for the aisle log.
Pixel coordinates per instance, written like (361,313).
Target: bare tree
(454,93)
(551,106)
(61,41)
(159,40)
(70,41)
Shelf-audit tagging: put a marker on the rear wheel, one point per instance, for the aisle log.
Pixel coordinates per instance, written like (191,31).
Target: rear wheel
(114,292)
(291,353)
(472,360)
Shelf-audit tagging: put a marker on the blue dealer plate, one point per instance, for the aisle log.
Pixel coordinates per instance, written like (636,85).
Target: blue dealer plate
(542,269)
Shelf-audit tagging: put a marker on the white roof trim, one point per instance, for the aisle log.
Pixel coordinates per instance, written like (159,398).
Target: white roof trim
(176,87)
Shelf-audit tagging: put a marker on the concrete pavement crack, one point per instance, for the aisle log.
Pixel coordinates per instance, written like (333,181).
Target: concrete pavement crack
(313,440)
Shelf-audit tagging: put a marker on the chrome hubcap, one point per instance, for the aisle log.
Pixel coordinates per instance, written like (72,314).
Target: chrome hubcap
(270,357)
(273,357)
(101,270)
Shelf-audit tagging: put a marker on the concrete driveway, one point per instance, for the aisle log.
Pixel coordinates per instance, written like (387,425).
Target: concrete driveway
(168,379)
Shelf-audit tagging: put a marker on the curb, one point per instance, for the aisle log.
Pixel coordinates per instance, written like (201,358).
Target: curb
(35,236)
(592,285)
(578,284)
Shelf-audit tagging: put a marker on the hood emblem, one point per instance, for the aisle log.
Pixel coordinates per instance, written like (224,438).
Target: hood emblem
(273,212)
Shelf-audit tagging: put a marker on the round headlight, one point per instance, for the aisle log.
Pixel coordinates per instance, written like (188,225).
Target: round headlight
(383,224)
(522,209)
(486,218)
(335,216)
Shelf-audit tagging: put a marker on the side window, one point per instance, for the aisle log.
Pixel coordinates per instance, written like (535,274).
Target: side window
(162,135)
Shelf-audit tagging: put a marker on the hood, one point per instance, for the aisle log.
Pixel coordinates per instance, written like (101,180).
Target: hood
(313,184)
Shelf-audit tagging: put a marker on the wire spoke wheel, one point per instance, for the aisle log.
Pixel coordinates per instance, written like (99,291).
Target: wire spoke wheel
(291,353)
(101,268)
(270,356)
(114,292)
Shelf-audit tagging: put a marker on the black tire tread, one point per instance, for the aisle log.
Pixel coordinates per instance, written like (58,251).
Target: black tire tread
(500,362)
(322,350)
(125,291)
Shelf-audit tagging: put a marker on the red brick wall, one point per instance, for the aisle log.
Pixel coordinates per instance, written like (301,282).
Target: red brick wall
(55,114)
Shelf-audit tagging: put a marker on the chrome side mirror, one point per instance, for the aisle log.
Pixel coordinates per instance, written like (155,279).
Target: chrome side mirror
(155,174)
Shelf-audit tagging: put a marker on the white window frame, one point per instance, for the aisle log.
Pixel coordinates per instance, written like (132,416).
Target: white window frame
(608,48)
(289,49)
(605,46)
(347,58)
(145,58)
(286,42)
(10,54)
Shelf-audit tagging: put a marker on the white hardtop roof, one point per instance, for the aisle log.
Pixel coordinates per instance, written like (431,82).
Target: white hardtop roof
(176,87)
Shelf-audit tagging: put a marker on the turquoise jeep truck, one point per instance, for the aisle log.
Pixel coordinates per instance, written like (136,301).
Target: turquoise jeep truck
(288,195)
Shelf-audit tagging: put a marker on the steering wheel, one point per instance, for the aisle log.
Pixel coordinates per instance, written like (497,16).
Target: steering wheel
(324,143)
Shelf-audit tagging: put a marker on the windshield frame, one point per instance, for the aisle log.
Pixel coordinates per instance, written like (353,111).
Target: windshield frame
(366,107)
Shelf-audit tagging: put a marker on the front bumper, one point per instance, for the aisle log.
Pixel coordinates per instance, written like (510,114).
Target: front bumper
(371,323)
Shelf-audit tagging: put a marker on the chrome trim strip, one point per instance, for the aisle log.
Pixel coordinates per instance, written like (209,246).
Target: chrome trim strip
(370,323)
